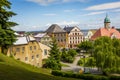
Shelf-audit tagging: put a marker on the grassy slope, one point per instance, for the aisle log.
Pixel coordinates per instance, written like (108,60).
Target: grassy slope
(11,69)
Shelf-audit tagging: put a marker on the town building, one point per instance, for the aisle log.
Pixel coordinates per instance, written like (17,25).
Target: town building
(61,36)
(43,38)
(75,36)
(45,50)
(107,30)
(89,34)
(26,49)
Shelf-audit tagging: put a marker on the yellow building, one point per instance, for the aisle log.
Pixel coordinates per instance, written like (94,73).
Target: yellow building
(45,50)
(61,36)
(27,49)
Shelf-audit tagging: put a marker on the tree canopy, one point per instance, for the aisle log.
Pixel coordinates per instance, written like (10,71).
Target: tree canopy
(53,61)
(107,53)
(86,45)
(7,36)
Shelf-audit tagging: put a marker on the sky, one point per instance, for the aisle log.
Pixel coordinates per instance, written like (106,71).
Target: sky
(37,15)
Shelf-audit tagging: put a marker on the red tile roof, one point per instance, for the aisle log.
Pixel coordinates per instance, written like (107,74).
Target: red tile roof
(106,32)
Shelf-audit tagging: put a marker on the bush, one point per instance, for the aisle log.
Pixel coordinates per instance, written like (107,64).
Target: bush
(80,76)
(68,56)
(80,62)
(114,78)
(53,64)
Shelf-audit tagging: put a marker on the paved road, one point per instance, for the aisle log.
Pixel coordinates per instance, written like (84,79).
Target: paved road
(74,67)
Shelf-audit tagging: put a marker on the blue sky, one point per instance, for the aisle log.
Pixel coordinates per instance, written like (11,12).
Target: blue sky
(86,14)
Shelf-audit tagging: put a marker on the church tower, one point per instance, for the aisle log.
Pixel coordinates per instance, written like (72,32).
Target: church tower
(107,22)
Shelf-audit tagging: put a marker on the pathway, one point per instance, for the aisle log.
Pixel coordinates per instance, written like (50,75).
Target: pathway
(74,67)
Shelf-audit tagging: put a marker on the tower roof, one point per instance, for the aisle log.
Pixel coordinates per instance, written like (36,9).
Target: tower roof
(106,20)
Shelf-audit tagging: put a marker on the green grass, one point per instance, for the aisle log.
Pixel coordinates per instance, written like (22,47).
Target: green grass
(11,69)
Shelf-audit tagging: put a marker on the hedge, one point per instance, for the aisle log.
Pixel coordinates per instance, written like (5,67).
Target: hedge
(84,76)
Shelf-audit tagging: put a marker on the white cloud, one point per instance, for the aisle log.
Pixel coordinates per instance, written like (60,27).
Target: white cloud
(68,23)
(50,14)
(43,2)
(69,10)
(65,23)
(95,13)
(47,2)
(116,10)
(105,6)
(75,0)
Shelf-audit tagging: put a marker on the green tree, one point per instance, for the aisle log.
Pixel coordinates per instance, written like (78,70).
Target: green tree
(86,46)
(7,36)
(72,52)
(106,53)
(53,61)
(90,62)
(68,56)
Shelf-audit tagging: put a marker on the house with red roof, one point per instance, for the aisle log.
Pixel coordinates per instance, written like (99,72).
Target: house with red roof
(106,31)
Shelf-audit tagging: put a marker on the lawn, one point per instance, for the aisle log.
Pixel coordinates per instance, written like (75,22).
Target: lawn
(11,69)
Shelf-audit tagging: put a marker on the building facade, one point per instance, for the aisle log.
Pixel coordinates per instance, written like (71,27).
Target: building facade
(26,49)
(75,36)
(61,36)
(43,38)
(45,50)
(90,33)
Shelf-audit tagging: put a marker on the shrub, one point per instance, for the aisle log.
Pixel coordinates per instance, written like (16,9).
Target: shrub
(114,78)
(80,62)
(80,76)
(54,65)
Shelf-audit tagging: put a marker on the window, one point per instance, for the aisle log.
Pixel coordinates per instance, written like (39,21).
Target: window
(30,47)
(26,58)
(64,39)
(17,49)
(34,47)
(75,33)
(23,48)
(37,56)
(61,40)
(32,57)
(45,51)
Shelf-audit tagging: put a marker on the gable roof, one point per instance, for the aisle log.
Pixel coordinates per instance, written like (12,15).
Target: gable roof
(106,32)
(40,35)
(68,29)
(24,40)
(54,28)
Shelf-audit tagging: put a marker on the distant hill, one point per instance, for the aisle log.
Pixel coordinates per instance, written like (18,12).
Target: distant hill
(11,69)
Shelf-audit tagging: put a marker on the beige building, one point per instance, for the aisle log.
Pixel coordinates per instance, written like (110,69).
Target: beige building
(45,50)
(27,49)
(75,36)
(90,33)
(43,38)
(55,31)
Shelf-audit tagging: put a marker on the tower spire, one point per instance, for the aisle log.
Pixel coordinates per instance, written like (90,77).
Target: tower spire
(107,22)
